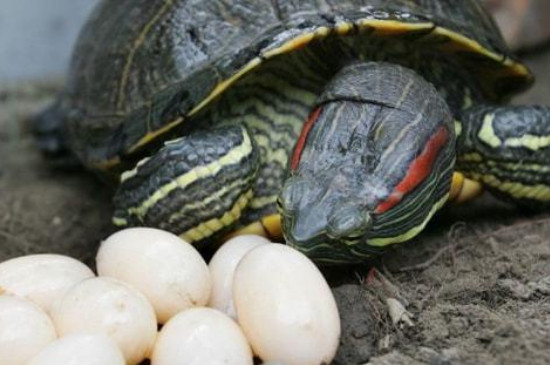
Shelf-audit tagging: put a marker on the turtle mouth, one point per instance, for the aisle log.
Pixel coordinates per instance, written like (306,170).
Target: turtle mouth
(325,250)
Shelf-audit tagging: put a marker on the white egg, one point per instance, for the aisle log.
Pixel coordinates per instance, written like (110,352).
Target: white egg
(25,329)
(222,267)
(200,336)
(43,278)
(80,349)
(106,305)
(169,271)
(285,307)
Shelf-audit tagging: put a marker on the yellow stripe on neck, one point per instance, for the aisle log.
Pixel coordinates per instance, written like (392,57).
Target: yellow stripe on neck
(234,156)
(210,227)
(379,242)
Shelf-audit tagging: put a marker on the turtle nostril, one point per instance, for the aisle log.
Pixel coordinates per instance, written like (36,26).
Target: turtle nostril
(349,221)
(293,193)
(305,227)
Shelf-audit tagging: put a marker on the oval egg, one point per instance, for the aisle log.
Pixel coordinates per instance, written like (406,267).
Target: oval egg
(201,336)
(80,349)
(285,307)
(25,330)
(167,270)
(106,305)
(222,267)
(42,278)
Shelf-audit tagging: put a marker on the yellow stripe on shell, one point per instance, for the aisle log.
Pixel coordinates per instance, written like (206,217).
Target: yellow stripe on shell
(380,242)
(154,134)
(208,228)
(234,156)
(460,43)
(392,27)
(138,42)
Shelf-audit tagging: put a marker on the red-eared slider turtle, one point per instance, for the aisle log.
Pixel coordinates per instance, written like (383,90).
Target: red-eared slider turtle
(351,114)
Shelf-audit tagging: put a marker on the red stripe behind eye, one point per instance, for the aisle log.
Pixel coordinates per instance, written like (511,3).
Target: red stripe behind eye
(418,170)
(295,160)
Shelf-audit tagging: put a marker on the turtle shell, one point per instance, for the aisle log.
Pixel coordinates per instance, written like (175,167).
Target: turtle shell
(142,67)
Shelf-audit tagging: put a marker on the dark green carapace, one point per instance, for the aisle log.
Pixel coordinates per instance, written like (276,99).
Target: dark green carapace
(351,116)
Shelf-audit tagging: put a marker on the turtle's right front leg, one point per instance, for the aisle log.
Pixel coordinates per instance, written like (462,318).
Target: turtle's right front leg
(507,149)
(196,186)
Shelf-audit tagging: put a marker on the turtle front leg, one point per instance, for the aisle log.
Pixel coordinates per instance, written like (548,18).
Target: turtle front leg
(195,186)
(508,150)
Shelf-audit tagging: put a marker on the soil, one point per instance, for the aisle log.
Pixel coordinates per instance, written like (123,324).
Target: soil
(476,282)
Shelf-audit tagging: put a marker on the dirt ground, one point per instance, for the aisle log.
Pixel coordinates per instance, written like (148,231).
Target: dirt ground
(476,282)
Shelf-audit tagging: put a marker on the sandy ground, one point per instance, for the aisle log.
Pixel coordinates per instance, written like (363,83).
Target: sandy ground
(476,282)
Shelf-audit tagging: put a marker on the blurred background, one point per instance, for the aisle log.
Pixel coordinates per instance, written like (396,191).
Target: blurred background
(36,36)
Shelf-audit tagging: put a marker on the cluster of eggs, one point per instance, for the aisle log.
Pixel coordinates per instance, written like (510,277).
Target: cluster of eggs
(254,298)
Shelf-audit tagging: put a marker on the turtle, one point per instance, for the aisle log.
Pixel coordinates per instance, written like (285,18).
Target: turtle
(342,126)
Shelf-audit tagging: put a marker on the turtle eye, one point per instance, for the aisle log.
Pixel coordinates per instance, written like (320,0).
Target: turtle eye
(348,221)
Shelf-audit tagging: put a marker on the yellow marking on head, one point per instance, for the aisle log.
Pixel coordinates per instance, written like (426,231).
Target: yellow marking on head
(379,242)
(412,125)
(235,155)
(208,228)
(487,133)
(529,141)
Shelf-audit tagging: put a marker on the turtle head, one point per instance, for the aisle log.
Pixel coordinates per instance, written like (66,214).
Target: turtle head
(373,163)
